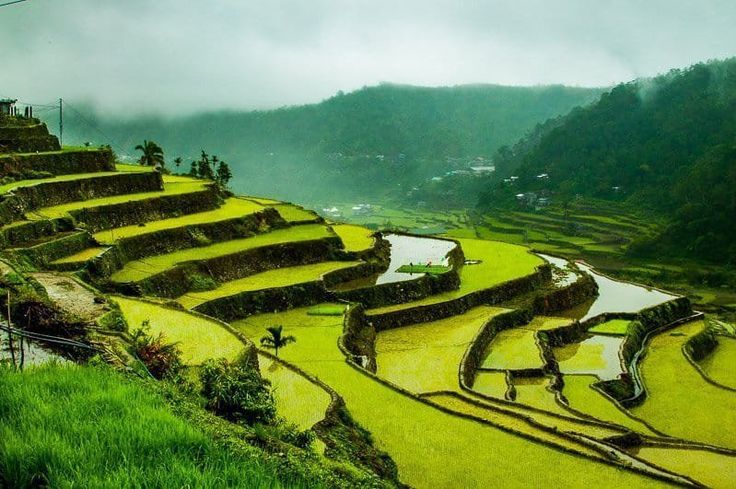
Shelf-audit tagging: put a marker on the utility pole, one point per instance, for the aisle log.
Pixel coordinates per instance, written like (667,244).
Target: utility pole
(61,123)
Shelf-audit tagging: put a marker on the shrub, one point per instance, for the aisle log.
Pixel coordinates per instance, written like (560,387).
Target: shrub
(162,359)
(236,391)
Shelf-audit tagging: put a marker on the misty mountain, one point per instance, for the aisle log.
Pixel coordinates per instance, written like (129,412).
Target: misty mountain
(667,144)
(369,143)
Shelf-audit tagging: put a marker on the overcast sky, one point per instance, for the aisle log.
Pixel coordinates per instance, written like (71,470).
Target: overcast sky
(175,56)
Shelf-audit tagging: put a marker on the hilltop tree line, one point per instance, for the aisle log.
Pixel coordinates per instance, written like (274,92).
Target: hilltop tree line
(206,167)
(667,144)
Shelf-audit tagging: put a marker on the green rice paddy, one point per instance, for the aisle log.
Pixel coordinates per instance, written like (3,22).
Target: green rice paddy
(720,365)
(281,277)
(491,384)
(232,208)
(513,349)
(597,355)
(140,269)
(613,327)
(426,357)
(198,338)
(294,213)
(81,257)
(60,178)
(716,470)
(535,392)
(679,401)
(430,446)
(355,238)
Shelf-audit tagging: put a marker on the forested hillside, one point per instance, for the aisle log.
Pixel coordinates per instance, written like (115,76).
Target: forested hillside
(668,144)
(369,143)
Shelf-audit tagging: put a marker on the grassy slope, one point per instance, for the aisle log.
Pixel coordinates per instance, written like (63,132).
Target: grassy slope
(85,427)
(680,403)
(430,447)
(500,262)
(426,357)
(355,238)
(280,277)
(140,269)
(232,208)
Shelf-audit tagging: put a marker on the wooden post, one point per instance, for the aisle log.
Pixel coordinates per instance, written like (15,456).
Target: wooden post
(10,334)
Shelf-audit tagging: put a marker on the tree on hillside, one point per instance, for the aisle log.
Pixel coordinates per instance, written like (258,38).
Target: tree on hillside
(177,162)
(275,339)
(223,175)
(152,154)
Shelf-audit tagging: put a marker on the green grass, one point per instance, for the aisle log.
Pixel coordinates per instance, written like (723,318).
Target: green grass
(431,448)
(171,187)
(614,327)
(232,208)
(70,426)
(281,277)
(430,269)
(680,402)
(143,268)
(355,238)
(61,178)
(293,213)
(426,357)
(582,397)
(298,400)
(82,256)
(720,365)
(198,338)
(500,262)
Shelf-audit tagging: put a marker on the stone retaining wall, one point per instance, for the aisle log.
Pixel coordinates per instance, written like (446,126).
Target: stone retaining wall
(58,163)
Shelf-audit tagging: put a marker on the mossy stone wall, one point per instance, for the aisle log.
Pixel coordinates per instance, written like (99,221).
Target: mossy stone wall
(58,163)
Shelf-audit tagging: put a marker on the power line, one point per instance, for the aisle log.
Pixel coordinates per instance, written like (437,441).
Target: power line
(11,3)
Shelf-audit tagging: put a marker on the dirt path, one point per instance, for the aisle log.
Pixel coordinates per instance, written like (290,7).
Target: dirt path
(70,296)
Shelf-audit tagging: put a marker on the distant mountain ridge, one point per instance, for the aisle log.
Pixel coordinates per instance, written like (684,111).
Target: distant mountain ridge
(362,143)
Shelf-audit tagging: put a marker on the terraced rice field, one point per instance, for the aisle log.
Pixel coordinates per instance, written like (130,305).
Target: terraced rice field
(426,357)
(430,446)
(60,178)
(680,402)
(198,338)
(535,392)
(491,384)
(281,277)
(232,208)
(143,268)
(513,349)
(355,238)
(711,469)
(720,365)
(500,262)
(597,355)
(293,213)
(172,186)
(82,256)
(613,327)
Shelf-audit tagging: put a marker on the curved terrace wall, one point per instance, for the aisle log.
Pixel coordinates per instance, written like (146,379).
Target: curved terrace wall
(58,162)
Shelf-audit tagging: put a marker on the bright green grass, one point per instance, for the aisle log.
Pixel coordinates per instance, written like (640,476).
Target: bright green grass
(513,349)
(70,426)
(500,262)
(714,470)
(614,327)
(293,213)
(426,357)
(61,178)
(431,269)
(720,365)
(231,209)
(582,397)
(432,448)
(355,238)
(198,338)
(82,256)
(143,268)
(680,402)
(170,188)
(297,399)
(281,277)
(491,384)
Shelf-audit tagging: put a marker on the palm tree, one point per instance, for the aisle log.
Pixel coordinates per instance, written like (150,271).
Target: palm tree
(152,155)
(274,340)
(177,162)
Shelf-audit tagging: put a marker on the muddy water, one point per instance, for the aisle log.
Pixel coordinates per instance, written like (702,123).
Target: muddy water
(596,355)
(615,296)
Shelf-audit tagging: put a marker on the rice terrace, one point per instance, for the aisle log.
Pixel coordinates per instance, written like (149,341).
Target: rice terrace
(162,327)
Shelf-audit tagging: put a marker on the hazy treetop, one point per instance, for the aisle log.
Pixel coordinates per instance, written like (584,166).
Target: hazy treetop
(178,57)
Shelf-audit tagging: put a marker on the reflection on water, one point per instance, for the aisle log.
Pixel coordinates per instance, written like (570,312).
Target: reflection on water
(596,355)
(615,296)
(404,250)
(566,275)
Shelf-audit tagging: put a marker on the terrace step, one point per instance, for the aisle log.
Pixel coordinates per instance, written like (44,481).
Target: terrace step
(62,162)
(29,195)
(27,233)
(78,260)
(173,274)
(50,248)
